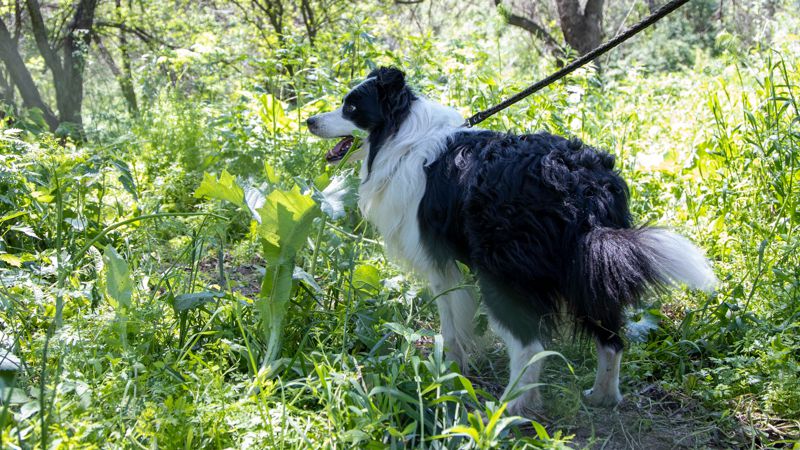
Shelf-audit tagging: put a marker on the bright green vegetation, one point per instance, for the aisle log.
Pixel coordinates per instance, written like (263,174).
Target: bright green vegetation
(149,309)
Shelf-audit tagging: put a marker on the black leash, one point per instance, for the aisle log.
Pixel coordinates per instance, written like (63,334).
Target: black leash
(618,39)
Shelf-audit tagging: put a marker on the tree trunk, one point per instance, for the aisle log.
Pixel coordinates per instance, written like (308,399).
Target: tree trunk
(126,83)
(68,70)
(8,92)
(9,54)
(76,48)
(582,27)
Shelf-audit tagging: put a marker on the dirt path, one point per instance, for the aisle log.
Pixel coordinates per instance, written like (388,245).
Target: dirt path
(648,419)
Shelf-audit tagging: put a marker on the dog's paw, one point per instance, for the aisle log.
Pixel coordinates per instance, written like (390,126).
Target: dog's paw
(604,399)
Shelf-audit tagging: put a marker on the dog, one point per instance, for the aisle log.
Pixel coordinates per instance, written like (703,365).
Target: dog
(541,220)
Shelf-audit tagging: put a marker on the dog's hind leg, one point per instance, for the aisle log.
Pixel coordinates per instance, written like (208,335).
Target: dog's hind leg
(605,327)
(520,373)
(605,391)
(457,308)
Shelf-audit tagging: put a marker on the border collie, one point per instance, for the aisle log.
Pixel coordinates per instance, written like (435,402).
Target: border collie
(542,221)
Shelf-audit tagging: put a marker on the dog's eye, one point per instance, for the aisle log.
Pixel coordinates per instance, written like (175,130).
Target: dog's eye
(350,108)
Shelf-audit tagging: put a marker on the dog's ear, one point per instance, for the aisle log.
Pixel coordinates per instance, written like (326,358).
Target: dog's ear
(389,79)
(395,99)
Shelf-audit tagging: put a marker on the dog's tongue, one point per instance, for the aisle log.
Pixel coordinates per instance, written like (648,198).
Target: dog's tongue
(339,150)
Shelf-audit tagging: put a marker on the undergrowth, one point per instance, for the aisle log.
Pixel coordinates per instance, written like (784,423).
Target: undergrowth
(198,278)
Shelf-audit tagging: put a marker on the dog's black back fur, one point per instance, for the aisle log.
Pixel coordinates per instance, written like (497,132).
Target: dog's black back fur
(545,224)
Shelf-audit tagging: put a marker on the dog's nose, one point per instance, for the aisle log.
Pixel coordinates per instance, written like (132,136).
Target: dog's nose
(311,121)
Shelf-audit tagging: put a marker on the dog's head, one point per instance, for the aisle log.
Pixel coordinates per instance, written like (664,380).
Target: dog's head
(377,107)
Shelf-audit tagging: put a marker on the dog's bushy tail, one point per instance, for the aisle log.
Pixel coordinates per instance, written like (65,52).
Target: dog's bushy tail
(676,260)
(617,266)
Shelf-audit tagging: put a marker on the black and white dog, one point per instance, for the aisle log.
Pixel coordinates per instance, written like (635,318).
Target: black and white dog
(541,220)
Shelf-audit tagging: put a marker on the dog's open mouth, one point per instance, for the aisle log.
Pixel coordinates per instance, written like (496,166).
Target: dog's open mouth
(340,149)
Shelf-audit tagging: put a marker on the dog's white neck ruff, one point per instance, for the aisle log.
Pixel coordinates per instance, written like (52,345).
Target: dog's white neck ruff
(390,196)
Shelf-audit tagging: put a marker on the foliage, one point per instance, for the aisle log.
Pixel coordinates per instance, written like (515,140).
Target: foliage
(217,288)
(284,222)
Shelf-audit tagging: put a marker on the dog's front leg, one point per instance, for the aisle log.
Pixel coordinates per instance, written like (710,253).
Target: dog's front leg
(457,308)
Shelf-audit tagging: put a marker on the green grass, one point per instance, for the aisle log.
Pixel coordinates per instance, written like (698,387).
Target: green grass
(166,342)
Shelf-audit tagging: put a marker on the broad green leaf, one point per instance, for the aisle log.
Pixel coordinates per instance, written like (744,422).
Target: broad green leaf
(224,188)
(17,260)
(12,215)
(540,431)
(354,437)
(301,275)
(468,387)
(340,193)
(9,362)
(126,177)
(286,219)
(444,399)
(77,223)
(393,392)
(276,289)
(322,180)
(639,329)
(29,409)
(42,196)
(17,395)
(11,260)
(495,417)
(367,278)
(476,420)
(254,199)
(271,112)
(409,334)
(461,430)
(410,428)
(26,230)
(118,282)
(186,302)
(272,177)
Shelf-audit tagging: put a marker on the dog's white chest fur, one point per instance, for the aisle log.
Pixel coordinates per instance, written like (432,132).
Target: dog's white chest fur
(390,196)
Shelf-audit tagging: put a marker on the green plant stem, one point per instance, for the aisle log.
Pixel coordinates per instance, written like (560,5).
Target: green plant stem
(59,249)
(317,243)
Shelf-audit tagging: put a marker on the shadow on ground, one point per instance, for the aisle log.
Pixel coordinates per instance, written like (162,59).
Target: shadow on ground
(649,418)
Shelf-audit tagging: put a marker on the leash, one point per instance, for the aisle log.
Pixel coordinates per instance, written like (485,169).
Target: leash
(583,60)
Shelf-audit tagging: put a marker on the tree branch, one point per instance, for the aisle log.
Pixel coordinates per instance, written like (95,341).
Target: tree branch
(533,27)
(273,9)
(42,42)
(123,77)
(143,35)
(17,22)
(256,23)
(309,19)
(106,56)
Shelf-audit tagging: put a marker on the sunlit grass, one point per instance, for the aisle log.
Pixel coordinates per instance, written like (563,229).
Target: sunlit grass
(710,150)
